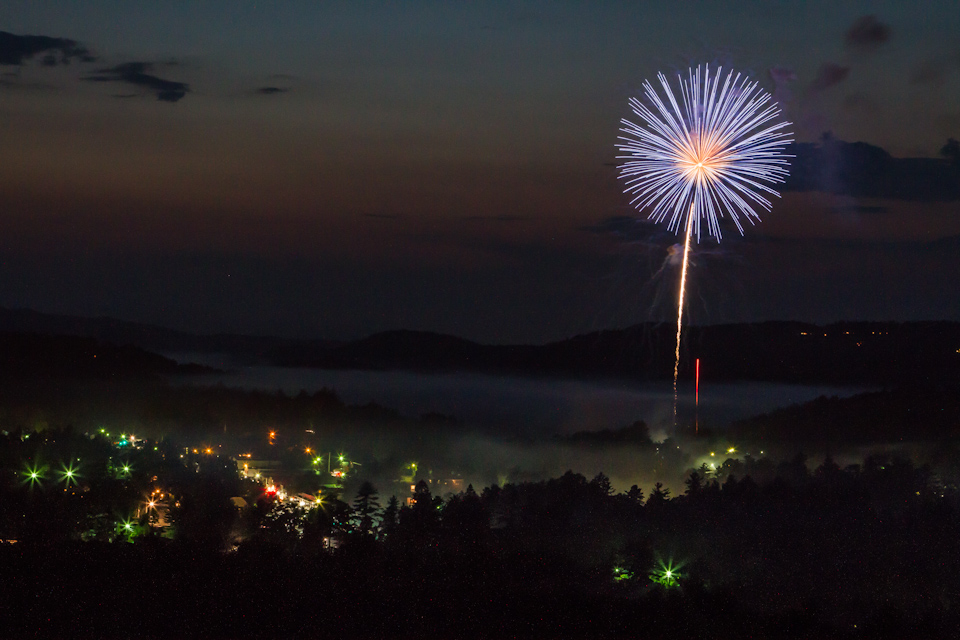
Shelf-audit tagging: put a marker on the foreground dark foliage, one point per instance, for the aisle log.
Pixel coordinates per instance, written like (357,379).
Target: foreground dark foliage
(867,551)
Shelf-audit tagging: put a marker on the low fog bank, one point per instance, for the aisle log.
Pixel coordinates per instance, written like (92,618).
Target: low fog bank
(529,406)
(483,459)
(485,430)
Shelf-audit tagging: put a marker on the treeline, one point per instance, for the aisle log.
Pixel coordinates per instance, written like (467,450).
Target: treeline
(920,412)
(158,408)
(766,549)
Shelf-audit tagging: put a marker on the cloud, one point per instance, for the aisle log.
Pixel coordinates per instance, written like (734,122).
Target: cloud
(830,74)
(782,77)
(14,50)
(269,91)
(867,33)
(854,169)
(860,170)
(135,73)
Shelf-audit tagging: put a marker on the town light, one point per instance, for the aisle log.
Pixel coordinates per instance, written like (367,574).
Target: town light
(68,474)
(34,474)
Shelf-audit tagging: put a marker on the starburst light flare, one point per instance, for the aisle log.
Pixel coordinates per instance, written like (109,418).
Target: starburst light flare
(716,151)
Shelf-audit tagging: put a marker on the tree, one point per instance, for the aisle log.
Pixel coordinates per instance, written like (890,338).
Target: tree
(422,519)
(602,484)
(635,494)
(388,523)
(659,496)
(365,508)
(694,484)
(465,521)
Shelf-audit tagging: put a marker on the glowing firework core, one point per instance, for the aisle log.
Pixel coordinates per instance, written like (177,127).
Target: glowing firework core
(707,154)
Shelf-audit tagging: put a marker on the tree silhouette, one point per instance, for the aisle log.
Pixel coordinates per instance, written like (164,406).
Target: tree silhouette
(388,521)
(659,496)
(602,484)
(635,494)
(420,520)
(465,521)
(366,507)
(694,484)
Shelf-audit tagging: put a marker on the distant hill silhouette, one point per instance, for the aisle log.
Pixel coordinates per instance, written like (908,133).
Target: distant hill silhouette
(145,336)
(34,355)
(841,353)
(862,352)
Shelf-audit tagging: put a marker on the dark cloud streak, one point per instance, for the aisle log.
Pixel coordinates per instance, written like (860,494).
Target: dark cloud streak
(862,170)
(15,50)
(867,33)
(135,73)
(829,75)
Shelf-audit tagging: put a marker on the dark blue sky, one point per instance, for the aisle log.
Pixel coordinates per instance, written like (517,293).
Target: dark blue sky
(333,169)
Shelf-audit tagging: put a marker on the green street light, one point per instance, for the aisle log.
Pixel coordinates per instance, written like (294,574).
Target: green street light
(666,574)
(33,474)
(68,474)
(127,528)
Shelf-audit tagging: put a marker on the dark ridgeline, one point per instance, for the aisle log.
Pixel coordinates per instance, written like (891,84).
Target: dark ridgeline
(842,353)
(31,355)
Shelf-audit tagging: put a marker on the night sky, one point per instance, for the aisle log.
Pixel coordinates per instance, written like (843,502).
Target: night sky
(339,168)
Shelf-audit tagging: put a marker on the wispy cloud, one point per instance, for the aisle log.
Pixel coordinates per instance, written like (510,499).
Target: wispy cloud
(829,75)
(136,74)
(867,33)
(15,50)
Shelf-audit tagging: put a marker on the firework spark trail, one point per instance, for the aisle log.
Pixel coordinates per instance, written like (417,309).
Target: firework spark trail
(708,153)
(683,285)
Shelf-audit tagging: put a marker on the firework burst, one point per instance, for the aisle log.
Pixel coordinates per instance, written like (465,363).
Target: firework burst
(714,152)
